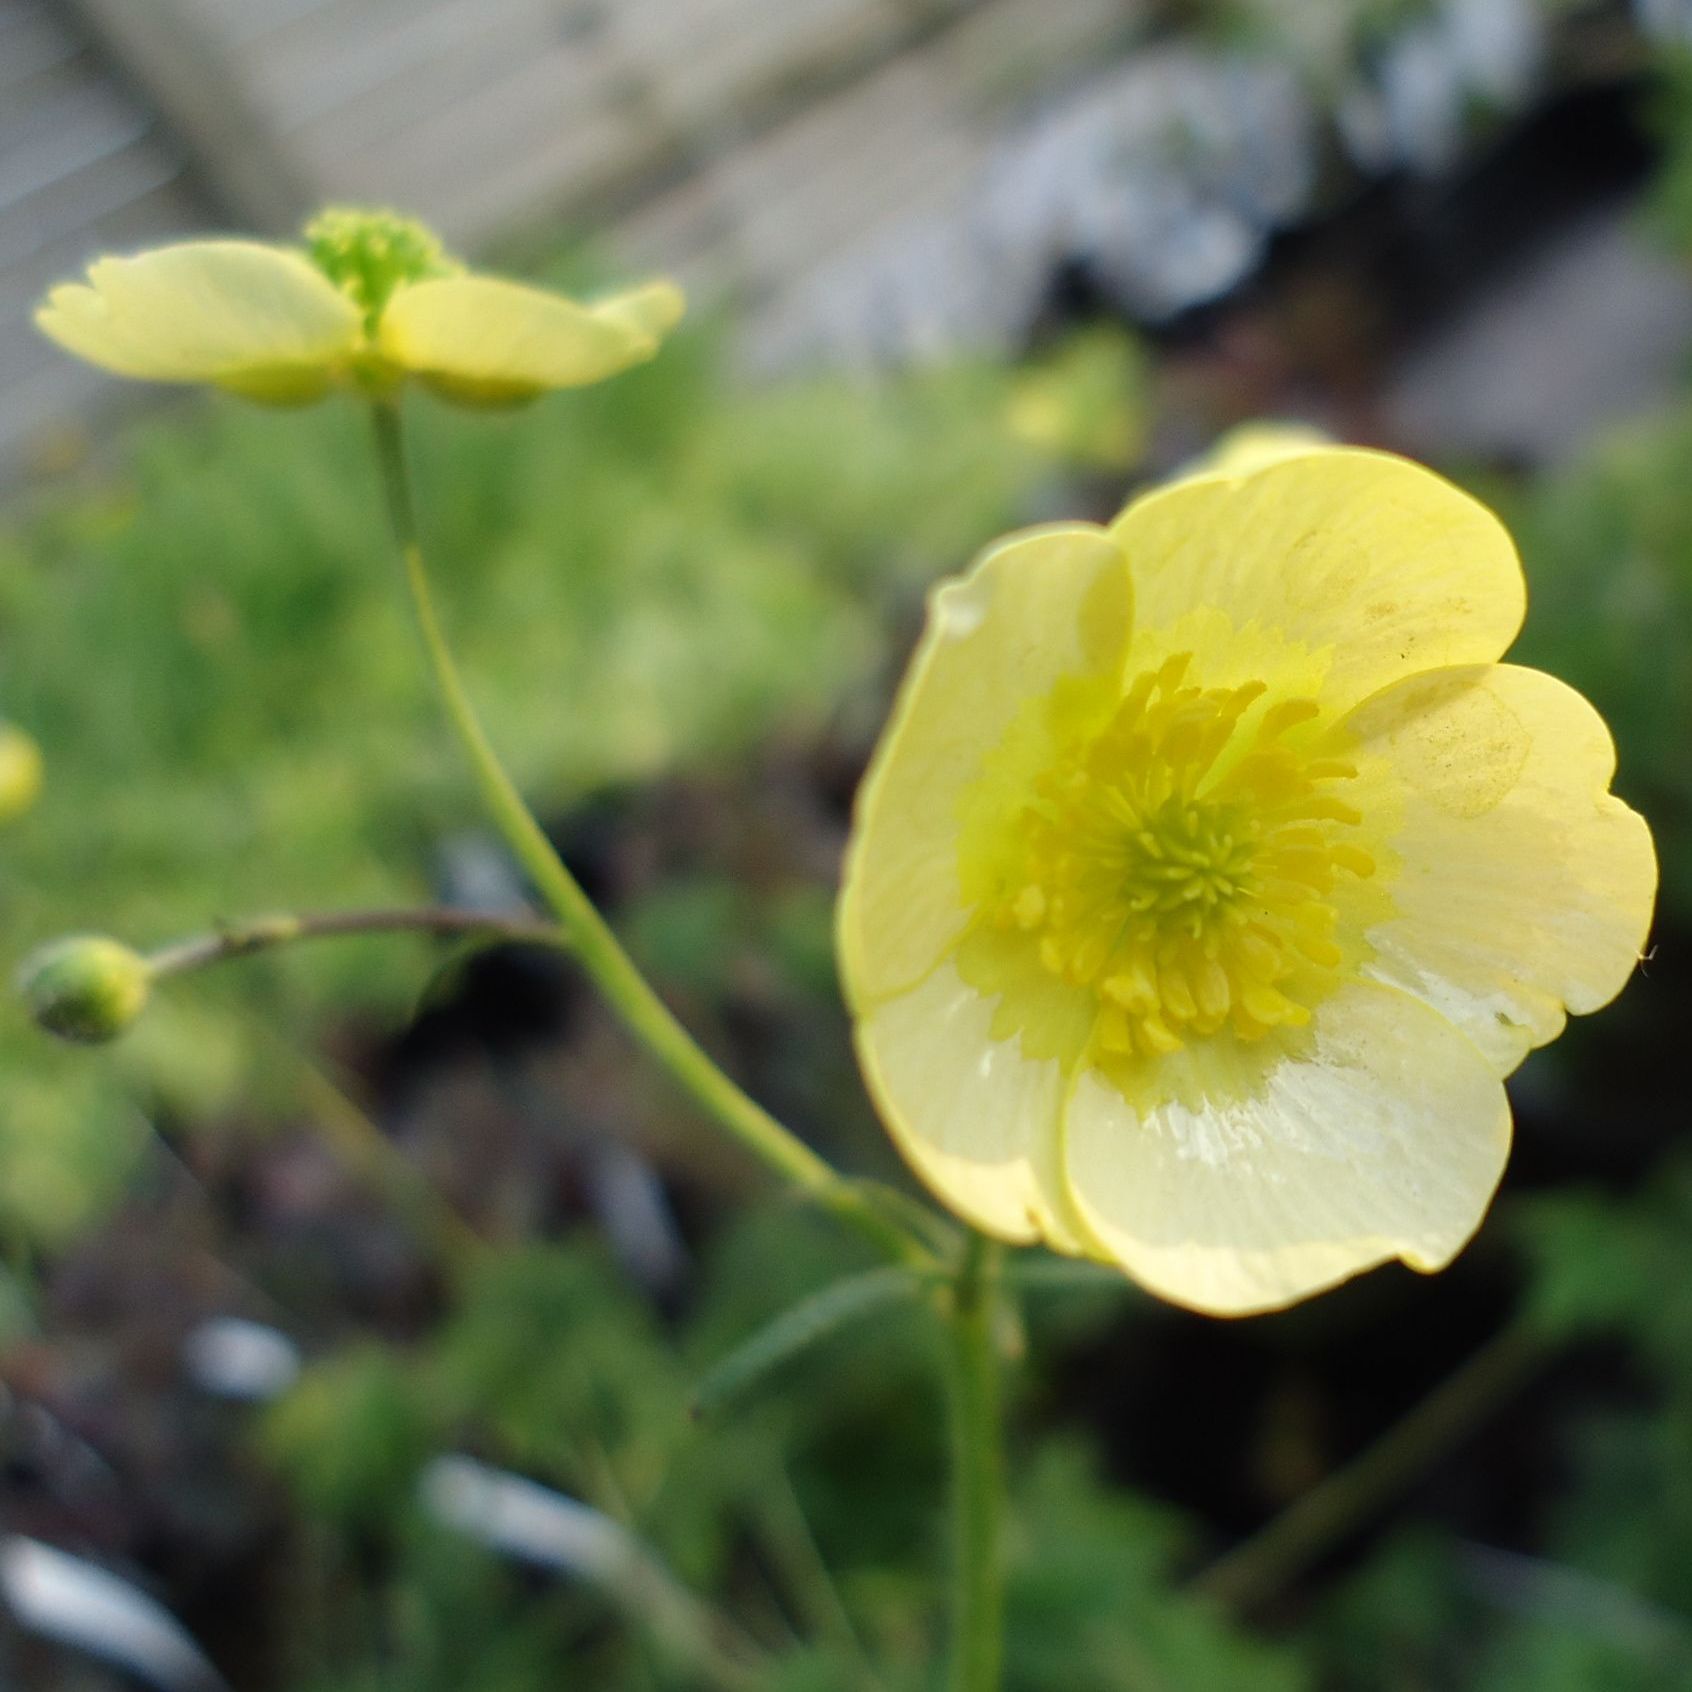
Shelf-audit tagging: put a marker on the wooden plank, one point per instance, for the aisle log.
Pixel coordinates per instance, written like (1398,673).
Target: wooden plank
(239,22)
(480,111)
(371,48)
(50,87)
(546,131)
(584,155)
(699,61)
(824,153)
(31,42)
(74,203)
(43,393)
(181,68)
(465,52)
(166,212)
(140,212)
(1001,55)
(856,222)
(92,121)
(838,167)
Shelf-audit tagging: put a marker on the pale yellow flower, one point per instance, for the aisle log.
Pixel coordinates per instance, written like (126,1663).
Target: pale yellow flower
(1212,874)
(369,300)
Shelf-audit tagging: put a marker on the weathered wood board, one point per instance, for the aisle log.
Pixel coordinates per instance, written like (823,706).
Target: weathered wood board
(748,144)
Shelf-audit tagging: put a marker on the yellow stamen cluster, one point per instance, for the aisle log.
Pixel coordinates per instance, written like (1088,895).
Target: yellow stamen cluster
(1180,864)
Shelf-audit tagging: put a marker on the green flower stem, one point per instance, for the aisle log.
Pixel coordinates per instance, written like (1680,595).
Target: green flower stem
(258,934)
(590,938)
(978,1481)
(1259,1567)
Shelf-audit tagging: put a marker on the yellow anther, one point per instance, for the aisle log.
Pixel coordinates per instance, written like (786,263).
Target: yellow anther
(1270,1006)
(1134,987)
(1173,669)
(1159,1036)
(1113,1030)
(1353,858)
(1176,993)
(1323,953)
(1323,807)
(1030,906)
(1211,987)
(1259,952)
(1288,713)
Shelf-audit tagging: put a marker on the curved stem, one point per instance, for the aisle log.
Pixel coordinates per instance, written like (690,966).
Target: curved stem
(596,948)
(1259,1567)
(977,1439)
(258,934)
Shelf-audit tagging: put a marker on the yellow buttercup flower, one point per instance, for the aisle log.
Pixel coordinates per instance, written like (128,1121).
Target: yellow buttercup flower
(370,300)
(1213,874)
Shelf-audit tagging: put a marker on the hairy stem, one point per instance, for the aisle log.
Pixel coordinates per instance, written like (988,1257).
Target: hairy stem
(596,948)
(978,1482)
(258,934)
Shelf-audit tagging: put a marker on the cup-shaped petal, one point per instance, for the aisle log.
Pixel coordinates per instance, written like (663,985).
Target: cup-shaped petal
(977,1116)
(1041,606)
(1524,887)
(1388,565)
(1253,1176)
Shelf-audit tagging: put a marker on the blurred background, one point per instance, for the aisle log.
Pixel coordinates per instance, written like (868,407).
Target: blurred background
(358,1312)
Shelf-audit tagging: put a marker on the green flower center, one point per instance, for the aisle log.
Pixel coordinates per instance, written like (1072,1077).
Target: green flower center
(368,254)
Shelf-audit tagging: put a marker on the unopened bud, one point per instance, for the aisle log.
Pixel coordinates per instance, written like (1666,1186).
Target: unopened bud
(86,988)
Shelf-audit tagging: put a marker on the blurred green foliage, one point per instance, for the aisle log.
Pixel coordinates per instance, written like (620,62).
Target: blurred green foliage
(806,1513)
(1602,1601)
(212,650)
(1668,206)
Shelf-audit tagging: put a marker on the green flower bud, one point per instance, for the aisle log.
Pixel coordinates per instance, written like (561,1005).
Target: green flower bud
(85,988)
(20,772)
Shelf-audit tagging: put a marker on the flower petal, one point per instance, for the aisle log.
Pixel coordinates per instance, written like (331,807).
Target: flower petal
(976,1118)
(1262,1174)
(1524,886)
(1383,562)
(239,313)
(1041,606)
(653,309)
(489,341)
